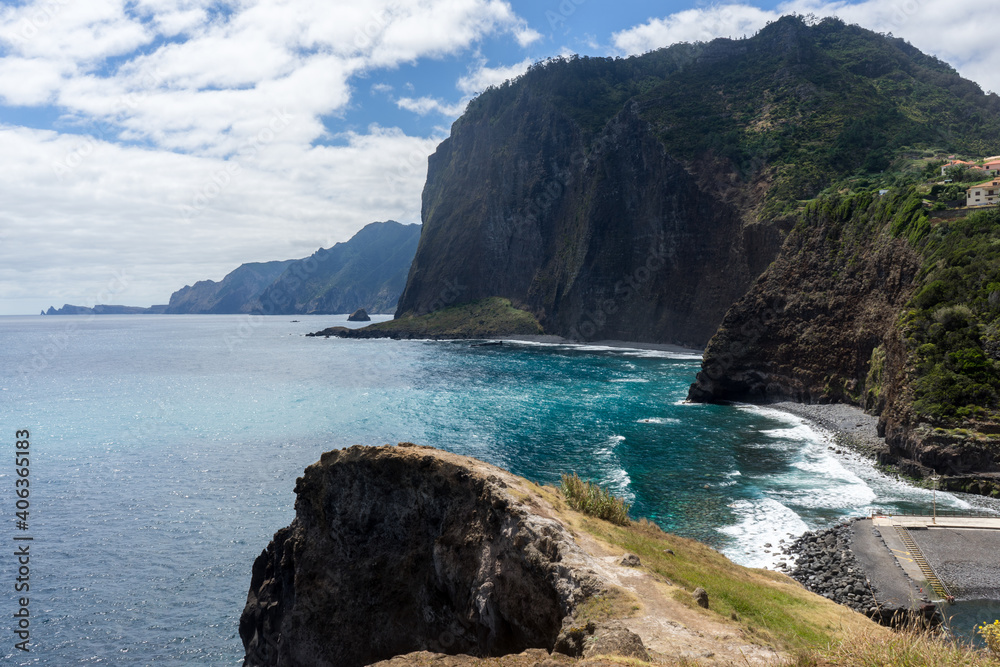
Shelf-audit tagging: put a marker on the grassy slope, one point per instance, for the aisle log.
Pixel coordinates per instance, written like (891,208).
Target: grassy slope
(769,607)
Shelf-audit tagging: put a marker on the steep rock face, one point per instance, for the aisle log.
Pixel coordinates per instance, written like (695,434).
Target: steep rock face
(607,239)
(368,271)
(400,549)
(832,320)
(810,327)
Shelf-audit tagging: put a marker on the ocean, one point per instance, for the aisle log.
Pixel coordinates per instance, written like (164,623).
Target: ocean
(164,451)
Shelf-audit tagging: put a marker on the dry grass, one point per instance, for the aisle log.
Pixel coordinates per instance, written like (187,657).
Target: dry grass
(592,499)
(904,648)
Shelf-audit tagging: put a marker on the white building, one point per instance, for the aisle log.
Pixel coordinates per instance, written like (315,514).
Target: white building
(984,194)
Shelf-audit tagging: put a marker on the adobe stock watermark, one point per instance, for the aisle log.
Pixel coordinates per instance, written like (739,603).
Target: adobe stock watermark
(414,164)
(279,299)
(127,103)
(593,321)
(565,9)
(220,180)
(365,36)
(56,343)
(36,21)
(902,12)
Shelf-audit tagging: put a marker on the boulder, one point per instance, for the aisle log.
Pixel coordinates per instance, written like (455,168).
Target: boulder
(616,640)
(631,560)
(700,596)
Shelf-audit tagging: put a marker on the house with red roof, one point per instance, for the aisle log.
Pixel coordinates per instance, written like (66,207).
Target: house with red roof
(984,194)
(958,163)
(992,166)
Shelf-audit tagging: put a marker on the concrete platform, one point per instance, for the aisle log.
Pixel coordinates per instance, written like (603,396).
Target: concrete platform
(919,522)
(896,582)
(958,556)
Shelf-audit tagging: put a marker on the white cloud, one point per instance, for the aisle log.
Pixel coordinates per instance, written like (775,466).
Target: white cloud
(527,36)
(204,92)
(425,105)
(693,25)
(484,77)
(470,85)
(954,31)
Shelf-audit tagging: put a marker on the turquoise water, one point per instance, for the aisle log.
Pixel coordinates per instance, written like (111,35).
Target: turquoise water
(165,451)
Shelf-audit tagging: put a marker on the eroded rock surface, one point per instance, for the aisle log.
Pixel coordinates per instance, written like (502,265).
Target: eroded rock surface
(401,549)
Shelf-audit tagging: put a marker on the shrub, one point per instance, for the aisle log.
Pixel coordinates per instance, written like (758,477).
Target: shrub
(592,499)
(990,632)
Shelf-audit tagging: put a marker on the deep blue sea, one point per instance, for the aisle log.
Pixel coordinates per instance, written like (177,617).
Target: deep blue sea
(165,450)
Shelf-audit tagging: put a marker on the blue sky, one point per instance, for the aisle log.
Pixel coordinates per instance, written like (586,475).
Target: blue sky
(152,143)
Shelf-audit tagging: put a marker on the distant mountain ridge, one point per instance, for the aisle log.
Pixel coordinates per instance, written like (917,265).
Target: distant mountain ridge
(233,294)
(368,271)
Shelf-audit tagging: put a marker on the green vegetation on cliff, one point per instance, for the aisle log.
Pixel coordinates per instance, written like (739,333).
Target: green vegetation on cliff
(591,498)
(486,318)
(799,105)
(952,324)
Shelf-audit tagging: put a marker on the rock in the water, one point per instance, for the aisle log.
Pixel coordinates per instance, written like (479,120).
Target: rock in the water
(359,315)
(700,596)
(631,560)
(402,549)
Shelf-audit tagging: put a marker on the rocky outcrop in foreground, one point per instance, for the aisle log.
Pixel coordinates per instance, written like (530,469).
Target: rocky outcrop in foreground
(409,555)
(401,549)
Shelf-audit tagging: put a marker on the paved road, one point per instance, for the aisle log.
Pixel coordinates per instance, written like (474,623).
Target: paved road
(893,588)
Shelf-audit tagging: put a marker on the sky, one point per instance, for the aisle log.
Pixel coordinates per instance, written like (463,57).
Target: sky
(148,144)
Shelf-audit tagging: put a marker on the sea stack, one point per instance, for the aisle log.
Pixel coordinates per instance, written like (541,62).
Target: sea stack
(359,315)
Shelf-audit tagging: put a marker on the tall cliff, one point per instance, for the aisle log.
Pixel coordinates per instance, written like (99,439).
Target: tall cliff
(808,327)
(874,302)
(639,198)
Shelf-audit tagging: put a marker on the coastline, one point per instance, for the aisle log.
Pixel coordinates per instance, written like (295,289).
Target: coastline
(550,339)
(851,426)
